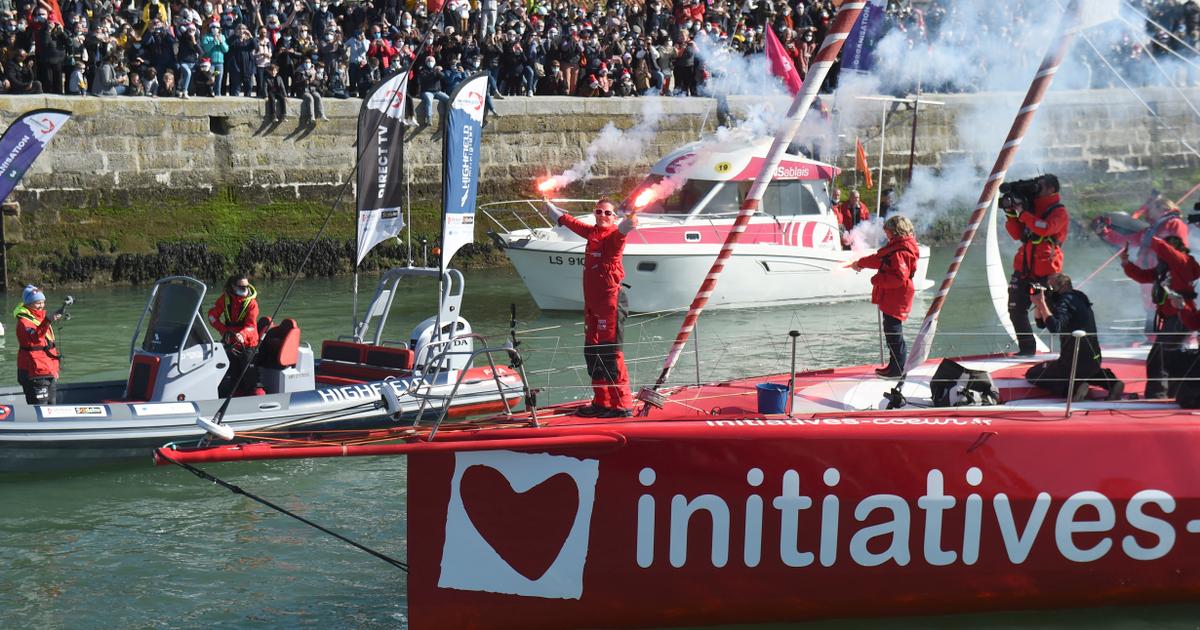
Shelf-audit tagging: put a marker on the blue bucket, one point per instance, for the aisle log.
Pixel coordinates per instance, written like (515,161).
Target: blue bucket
(772,398)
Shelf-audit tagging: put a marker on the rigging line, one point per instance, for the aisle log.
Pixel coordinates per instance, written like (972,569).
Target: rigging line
(1171,82)
(282,510)
(1160,27)
(1137,96)
(219,416)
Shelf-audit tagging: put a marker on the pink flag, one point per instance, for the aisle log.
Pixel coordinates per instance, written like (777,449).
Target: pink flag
(781,63)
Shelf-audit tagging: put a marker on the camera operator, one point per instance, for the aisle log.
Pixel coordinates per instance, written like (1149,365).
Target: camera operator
(1069,310)
(1172,291)
(37,358)
(1165,221)
(1039,220)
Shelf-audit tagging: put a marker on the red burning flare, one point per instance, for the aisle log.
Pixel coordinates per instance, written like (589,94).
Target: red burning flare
(643,199)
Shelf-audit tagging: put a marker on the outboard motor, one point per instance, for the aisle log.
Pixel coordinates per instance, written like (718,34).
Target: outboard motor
(462,345)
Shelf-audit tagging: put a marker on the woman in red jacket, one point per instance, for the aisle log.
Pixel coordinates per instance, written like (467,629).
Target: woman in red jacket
(892,286)
(37,360)
(1173,279)
(235,316)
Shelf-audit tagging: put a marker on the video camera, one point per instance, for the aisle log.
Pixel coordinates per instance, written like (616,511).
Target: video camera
(1194,217)
(1018,193)
(62,310)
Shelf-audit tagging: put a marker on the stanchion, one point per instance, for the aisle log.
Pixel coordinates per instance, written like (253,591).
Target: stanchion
(1078,335)
(792,375)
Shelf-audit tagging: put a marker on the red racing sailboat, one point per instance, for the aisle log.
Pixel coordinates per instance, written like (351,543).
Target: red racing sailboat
(843,496)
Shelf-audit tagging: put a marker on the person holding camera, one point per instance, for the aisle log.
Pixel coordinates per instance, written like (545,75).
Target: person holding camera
(1038,219)
(1172,280)
(235,316)
(1165,221)
(37,360)
(1063,312)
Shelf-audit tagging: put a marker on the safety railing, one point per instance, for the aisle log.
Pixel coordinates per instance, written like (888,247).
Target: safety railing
(439,364)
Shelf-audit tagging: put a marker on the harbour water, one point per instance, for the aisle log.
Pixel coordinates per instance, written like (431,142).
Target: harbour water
(136,546)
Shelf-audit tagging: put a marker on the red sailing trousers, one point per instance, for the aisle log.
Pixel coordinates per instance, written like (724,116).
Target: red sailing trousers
(603,323)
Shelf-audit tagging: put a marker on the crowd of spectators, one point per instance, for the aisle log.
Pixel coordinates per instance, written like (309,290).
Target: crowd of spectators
(334,48)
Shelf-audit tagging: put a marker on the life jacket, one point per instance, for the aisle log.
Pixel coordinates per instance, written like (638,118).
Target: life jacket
(1041,255)
(37,355)
(237,316)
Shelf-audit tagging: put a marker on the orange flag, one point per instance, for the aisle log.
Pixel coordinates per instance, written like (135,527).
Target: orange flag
(860,162)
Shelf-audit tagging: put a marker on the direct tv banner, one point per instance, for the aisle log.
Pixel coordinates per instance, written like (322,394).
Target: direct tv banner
(460,168)
(859,53)
(24,141)
(381,170)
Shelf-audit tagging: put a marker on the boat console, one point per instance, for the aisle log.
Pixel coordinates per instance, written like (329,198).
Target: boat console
(173,356)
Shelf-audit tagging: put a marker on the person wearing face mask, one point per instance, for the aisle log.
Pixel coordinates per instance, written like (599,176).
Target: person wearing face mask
(214,46)
(381,49)
(605,306)
(241,62)
(356,51)
(805,50)
(431,86)
(37,358)
(308,84)
(235,317)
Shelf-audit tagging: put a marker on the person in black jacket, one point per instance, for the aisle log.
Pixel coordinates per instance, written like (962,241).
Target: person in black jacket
(276,95)
(1068,311)
(240,61)
(158,47)
(51,52)
(20,75)
(429,86)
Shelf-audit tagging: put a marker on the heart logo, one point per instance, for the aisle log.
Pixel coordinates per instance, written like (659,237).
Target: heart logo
(501,516)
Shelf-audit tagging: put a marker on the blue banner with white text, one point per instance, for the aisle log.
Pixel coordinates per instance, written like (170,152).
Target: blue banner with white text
(460,166)
(859,52)
(24,141)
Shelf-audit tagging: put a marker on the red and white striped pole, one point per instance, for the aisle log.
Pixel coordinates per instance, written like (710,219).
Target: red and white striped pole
(843,21)
(1068,27)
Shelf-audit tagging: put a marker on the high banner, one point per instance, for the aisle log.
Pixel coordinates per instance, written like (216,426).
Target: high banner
(381,170)
(24,141)
(460,164)
(859,53)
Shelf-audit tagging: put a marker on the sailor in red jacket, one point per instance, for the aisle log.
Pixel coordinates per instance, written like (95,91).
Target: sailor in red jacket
(37,359)
(1173,281)
(605,307)
(1042,231)
(892,286)
(235,316)
(850,214)
(1165,220)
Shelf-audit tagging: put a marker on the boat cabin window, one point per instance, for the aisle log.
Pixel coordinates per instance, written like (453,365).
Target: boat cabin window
(781,198)
(173,311)
(785,198)
(682,201)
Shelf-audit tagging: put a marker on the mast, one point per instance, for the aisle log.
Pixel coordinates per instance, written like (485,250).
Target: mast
(1067,29)
(847,14)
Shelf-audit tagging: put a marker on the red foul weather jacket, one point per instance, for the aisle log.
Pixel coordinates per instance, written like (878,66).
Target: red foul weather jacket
(37,356)
(1169,224)
(235,314)
(892,286)
(1178,269)
(1042,232)
(848,216)
(602,267)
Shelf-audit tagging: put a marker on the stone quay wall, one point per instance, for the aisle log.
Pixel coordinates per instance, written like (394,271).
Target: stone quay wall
(167,152)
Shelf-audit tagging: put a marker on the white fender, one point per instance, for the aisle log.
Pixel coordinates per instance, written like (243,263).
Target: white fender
(216,429)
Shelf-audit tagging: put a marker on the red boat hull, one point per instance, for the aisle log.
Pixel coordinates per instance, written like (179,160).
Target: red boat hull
(737,521)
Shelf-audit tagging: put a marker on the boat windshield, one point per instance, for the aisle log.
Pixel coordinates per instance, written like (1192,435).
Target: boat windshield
(788,197)
(174,309)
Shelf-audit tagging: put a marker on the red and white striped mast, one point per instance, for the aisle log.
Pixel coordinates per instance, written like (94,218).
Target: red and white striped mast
(1068,27)
(847,14)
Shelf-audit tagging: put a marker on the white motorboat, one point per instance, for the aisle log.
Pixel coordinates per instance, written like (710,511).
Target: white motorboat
(791,253)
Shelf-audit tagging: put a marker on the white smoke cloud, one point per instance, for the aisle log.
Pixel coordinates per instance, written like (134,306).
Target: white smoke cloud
(625,146)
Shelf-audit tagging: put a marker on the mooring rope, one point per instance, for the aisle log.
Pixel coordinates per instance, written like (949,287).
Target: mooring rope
(282,510)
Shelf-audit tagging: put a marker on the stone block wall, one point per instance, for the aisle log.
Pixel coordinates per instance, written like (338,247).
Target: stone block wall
(120,151)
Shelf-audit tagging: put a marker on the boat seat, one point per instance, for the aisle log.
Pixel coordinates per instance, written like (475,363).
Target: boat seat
(367,354)
(143,373)
(357,373)
(280,348)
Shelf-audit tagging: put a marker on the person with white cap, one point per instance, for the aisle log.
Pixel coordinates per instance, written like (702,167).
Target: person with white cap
(37,359)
